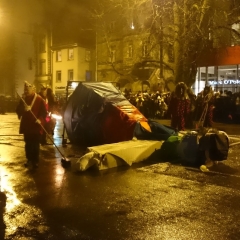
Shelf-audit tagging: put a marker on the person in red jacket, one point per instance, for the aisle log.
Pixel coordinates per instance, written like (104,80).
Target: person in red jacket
(31,111)
(179,106)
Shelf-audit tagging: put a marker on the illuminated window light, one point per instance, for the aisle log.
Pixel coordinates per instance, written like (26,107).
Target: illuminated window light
(74,85)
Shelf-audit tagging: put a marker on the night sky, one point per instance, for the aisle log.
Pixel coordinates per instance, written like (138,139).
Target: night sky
(68,18)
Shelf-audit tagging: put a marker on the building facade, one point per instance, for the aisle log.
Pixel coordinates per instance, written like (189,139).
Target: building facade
(71,63)
(56,64)
(220,69)
(137,41)
(43,57)
(122,43)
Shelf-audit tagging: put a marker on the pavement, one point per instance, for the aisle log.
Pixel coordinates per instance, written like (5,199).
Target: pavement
(149,200)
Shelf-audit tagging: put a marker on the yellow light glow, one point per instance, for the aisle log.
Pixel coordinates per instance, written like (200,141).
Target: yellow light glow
(12,200)
(59,174)
(74,85)
(56,116)
(1,16)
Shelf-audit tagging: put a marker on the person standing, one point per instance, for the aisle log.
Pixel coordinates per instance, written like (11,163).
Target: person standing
(206,101)
(2,105)
(179,106)
(190,116)
(43,95)
(52,108)
(31,112)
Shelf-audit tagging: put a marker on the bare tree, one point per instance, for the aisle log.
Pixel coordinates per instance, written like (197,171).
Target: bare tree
(177,33)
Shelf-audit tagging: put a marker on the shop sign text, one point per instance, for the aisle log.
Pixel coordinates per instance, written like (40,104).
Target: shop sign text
(225,82)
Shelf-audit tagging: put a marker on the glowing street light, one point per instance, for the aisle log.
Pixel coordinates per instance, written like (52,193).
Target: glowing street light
(132,26)
(1,14)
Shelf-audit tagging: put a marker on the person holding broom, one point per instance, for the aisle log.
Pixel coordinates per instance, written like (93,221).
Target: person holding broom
(206,101)
(31,112)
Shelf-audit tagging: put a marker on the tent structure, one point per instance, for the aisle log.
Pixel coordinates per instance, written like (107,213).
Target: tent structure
(97,113)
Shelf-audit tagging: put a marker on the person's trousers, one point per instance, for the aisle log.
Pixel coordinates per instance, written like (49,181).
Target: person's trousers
(32,147)
(178,123)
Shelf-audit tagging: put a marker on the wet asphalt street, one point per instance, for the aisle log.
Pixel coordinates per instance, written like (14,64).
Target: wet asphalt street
(148,201)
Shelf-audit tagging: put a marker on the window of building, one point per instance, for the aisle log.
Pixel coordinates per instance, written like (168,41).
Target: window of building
(87,55)
(145,50)
(170,53)
(42,67)
(59,56)
(42,44)
(112,56)
(209,34)
(58,76)
(70,54)
(130,51)
(70,75)
(236,26)
(88,75)
(112,26)
(235,34)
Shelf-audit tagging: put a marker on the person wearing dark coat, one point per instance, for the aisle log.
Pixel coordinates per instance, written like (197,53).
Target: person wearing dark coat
(52,108)
(189,118)
(31,112)
(43,95)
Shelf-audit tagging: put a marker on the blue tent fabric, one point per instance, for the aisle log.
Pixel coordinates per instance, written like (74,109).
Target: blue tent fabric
(81,117)
(159,131)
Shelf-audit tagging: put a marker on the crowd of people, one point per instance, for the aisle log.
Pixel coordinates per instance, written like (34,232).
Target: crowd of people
(184,108)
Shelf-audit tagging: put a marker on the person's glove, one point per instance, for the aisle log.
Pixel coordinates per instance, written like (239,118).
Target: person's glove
(38,121)
(27,108)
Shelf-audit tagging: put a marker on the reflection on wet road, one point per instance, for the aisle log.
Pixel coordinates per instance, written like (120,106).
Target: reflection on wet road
(145,201)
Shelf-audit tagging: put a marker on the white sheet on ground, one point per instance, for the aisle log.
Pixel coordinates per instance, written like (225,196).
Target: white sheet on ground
(117,154)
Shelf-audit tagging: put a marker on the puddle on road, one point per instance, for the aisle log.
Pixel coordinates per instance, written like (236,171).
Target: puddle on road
(20,218)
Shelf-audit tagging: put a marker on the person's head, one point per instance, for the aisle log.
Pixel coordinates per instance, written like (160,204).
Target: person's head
(49,92)
(43,91)
(207,90)
(217,94)
(180,89)
(29,89)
